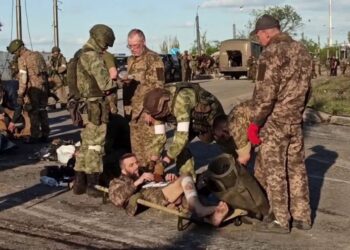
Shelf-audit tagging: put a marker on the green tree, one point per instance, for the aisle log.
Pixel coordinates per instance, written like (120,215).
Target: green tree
(310,44)
(290,20)
(169,43)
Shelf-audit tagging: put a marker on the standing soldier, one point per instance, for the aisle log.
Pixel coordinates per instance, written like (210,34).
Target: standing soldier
(185,67)
(57,75)
(279,99)
(146,68)
(33,89)
(94,84)
(343,66)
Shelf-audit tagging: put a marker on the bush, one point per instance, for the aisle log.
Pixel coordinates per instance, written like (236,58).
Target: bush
(331,96)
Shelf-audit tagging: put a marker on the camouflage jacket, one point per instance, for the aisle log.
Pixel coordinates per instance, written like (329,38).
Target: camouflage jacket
(283,82)
(123,193)
(32,71)
(238,122)
(183,105)
(91,70)
(148,70)
(58,65)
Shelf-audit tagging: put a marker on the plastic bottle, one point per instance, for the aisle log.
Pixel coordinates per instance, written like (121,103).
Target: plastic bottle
(48,181)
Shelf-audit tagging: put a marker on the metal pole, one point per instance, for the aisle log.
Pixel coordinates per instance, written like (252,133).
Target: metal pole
(199,49)
(18,19)
(234,31)
(55,23)
(330,24)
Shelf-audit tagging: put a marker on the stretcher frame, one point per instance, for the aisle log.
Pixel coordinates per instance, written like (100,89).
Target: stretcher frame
(182,217)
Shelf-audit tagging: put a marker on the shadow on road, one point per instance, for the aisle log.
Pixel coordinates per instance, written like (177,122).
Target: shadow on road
(317,164)
(18,198)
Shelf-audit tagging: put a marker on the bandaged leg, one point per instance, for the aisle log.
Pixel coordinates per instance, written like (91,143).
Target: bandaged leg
(192,198)
(219,215)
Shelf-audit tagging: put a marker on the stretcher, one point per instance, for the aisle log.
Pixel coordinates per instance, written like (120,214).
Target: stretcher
(184,219)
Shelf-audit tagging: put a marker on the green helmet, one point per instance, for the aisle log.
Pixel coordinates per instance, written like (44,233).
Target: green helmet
(55,49)
(103,35)
(14,46)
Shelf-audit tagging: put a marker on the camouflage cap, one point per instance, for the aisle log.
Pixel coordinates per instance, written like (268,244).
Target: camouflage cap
(265,22)
(55,49)
(154,100)
(15,45)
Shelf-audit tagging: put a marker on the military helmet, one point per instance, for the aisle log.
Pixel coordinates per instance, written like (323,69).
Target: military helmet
(55,49)
(15,45)
(155,100)
(103,35)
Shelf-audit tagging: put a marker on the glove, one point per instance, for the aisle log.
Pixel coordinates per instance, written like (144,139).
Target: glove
(253,134)
(20,100)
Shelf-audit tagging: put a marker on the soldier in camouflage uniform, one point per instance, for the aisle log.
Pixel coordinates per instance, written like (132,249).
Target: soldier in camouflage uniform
(279,99)
(33,89)
(191,108)
(251,63)
(230,132)
(125,190)
(57,75)
(147,69)
(94,85)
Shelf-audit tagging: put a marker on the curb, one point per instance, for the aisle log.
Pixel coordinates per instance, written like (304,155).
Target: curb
(313,116)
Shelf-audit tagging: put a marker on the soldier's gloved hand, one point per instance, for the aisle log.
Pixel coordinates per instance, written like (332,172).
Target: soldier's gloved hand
(253,134)
(20,100)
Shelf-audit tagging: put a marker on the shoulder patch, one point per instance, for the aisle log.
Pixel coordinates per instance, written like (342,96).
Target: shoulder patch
(261,71)
(160,74)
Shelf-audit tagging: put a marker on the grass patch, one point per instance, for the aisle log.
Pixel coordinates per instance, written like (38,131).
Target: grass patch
(331,95)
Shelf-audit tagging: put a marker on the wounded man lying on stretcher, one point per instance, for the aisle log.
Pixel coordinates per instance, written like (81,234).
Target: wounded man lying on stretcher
(125,190)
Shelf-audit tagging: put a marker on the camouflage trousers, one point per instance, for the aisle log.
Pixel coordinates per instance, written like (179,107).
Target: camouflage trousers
(89,158)
(141,136)
(39,120)
(280,169)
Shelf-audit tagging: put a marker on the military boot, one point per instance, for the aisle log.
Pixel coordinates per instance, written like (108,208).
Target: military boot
(92,180)
(79,186)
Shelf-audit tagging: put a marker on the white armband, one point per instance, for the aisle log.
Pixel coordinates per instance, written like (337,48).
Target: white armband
(159,129)
(183,126)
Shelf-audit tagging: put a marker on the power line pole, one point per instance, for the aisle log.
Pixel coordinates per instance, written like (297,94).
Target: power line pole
(55,23)
(199,49)
(330,41)
(234,31)
(18,19)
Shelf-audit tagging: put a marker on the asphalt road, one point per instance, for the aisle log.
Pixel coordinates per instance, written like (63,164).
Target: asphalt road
(34,216)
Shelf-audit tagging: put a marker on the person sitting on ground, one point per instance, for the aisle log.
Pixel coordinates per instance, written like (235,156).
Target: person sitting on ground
(125,190)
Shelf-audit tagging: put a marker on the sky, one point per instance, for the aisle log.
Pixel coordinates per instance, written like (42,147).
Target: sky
(159,19)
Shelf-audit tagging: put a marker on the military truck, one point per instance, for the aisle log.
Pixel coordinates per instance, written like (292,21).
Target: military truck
(234,54)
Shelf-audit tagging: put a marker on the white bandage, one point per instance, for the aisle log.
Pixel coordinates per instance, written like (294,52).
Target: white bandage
(159,129)
(188,187)
(64,66)
(96,148)
(183,126)
(22,71)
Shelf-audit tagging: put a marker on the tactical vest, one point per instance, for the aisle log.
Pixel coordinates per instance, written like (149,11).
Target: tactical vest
(200,113)
(233,184)
(74,91)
